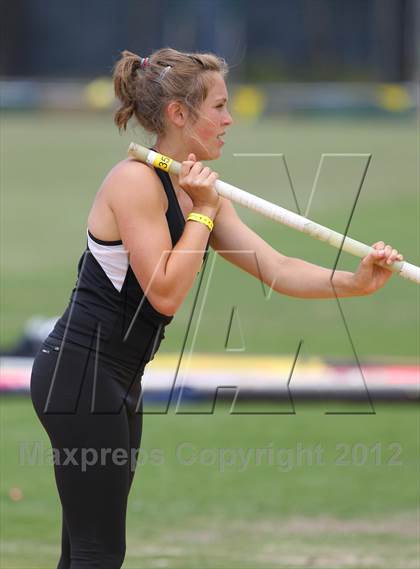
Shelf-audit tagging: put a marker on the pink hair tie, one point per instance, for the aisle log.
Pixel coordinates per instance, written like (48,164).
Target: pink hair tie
(144,62)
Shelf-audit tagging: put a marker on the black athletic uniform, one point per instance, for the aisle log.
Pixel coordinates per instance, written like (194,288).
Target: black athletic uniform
(86,390)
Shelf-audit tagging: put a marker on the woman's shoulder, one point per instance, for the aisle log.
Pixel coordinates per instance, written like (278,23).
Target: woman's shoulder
(131,170)
(132,181)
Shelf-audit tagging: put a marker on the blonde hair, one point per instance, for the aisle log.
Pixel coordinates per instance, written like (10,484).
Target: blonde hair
(145,86)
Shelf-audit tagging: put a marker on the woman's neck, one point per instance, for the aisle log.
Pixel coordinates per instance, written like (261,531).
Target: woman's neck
(173,149)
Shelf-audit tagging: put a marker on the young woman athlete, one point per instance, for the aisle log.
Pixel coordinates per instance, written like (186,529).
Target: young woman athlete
(86,378)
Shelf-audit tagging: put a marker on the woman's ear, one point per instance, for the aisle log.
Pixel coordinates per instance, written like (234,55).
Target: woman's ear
(177,113)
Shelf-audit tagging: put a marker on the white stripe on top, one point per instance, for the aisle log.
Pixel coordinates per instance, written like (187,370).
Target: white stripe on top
(113,259)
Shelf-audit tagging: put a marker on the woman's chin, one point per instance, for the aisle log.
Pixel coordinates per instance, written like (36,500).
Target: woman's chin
(208,153)
(214,154)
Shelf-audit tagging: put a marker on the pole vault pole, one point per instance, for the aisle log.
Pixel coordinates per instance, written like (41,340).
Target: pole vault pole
(277,213)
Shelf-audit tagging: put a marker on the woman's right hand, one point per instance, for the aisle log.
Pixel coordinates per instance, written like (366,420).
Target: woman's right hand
(198,182)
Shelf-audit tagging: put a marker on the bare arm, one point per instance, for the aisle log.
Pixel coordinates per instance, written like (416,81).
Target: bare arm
(289,275)
(165,274)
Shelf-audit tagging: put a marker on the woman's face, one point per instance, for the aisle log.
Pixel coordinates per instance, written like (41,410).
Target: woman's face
(205,135)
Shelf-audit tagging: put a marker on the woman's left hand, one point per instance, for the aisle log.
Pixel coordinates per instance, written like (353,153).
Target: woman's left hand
(372,273)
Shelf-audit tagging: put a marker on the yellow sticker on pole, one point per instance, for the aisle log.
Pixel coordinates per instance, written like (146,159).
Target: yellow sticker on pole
(162,162)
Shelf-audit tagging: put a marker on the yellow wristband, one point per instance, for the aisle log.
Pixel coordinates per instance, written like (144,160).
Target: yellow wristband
(201,219)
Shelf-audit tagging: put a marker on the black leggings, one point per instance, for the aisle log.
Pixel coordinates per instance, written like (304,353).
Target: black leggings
(95,432)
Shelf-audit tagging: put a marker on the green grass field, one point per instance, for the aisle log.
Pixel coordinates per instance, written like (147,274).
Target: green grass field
(53,163)
(350,504)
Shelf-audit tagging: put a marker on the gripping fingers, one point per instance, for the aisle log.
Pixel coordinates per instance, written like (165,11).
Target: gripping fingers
(394,256)
(186,167)
(204,174)
(385,254)
(211,179)
(197,169)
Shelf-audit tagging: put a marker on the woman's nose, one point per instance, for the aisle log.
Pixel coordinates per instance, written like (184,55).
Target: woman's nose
(228,120)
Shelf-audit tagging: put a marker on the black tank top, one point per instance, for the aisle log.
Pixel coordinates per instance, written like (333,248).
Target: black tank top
(108,311)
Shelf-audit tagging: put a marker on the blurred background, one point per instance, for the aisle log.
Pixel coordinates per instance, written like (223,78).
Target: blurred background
(319,90)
